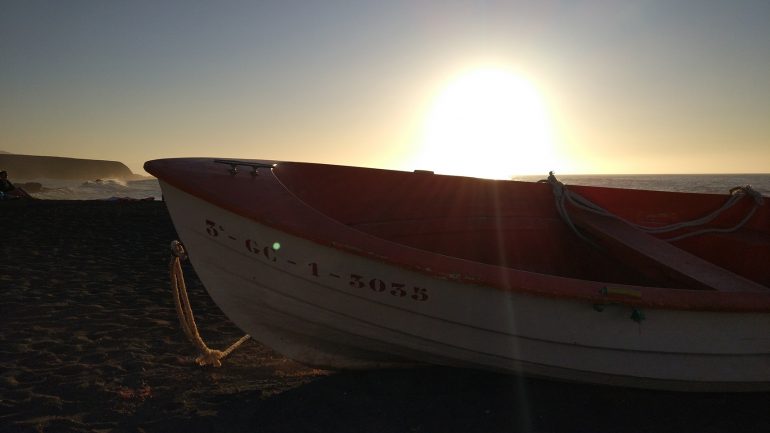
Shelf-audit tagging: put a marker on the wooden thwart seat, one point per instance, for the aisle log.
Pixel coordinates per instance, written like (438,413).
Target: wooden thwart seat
(656,258)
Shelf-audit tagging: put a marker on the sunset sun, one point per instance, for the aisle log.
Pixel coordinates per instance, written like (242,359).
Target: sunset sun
(487,123)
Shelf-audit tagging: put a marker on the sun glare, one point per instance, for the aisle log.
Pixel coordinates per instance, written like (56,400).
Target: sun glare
(487,123)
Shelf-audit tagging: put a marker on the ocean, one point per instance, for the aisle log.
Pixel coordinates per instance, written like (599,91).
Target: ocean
(708,183)
(100,189)
(111,189)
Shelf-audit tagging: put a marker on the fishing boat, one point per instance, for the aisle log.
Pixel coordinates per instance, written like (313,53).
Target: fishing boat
(357,268)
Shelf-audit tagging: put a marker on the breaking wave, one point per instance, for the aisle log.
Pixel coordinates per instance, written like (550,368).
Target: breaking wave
(97,189)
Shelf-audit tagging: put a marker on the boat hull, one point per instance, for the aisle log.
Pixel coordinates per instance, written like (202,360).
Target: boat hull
(331,307)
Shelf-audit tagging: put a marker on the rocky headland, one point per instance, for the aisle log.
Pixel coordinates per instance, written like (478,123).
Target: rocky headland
(55,167)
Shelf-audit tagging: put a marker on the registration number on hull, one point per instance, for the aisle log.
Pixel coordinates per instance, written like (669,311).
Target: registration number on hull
(271,252)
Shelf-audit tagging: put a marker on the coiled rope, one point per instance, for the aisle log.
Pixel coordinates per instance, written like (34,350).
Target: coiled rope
(564,195)
(207,356)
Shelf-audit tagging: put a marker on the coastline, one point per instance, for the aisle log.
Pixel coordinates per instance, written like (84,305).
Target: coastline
(89,341)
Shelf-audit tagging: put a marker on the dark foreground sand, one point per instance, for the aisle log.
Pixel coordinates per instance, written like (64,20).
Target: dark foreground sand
(89,341)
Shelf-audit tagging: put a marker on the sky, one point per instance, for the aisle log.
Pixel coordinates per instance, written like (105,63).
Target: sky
(483,88)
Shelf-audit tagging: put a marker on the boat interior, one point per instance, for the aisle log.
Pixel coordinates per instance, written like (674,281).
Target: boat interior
(517,225)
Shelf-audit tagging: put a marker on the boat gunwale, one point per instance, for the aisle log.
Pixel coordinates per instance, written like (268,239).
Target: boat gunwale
(284,216)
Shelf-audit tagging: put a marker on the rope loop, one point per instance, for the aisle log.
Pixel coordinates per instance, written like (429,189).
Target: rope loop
(563,195)
(184,311)
(177,250)
(749,191)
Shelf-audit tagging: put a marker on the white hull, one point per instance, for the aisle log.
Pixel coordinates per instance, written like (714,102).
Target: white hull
(323,306)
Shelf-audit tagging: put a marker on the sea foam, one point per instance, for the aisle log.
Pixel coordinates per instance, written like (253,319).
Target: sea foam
(97,189)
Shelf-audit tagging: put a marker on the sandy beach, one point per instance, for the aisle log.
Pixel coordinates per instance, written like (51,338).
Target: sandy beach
(90,342)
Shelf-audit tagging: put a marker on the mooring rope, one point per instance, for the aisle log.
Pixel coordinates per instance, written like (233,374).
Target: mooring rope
(564,195)
(207,356)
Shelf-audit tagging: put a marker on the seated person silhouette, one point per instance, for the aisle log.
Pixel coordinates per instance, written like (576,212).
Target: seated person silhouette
(8,190)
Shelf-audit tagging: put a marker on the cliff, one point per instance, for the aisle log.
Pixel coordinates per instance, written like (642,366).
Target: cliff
(54,167)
